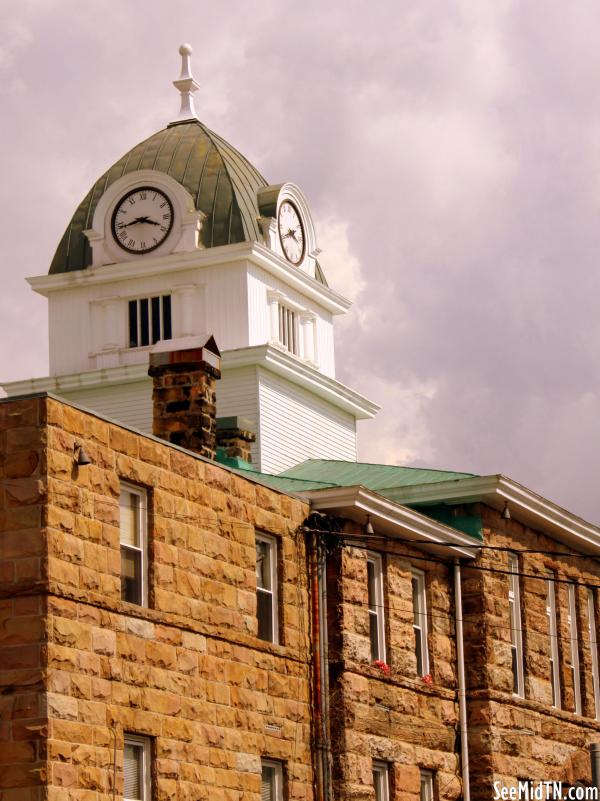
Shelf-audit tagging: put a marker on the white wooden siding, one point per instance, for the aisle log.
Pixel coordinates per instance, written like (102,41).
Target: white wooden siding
(296,425)
(76,316)
(237,395)
(130,403)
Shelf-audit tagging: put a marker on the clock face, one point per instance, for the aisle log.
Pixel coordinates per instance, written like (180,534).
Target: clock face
(142,219)
(291,232)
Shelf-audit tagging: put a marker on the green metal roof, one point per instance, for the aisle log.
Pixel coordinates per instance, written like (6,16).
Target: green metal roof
(222,182)
(374,476)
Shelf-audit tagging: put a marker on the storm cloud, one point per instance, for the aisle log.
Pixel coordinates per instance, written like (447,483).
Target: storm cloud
(451,154)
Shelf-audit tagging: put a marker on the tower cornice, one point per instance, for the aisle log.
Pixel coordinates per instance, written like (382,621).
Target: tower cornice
(253,252)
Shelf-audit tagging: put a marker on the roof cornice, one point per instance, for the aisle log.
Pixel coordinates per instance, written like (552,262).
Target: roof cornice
(270,358)
(525,505)
(150,266)
(392,519)
(287,366)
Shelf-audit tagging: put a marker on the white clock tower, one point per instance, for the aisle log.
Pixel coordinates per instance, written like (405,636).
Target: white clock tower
(183,238)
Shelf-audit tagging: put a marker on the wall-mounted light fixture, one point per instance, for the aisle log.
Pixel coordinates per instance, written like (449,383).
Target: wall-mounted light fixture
(369,526)
(506,511)
(81,457)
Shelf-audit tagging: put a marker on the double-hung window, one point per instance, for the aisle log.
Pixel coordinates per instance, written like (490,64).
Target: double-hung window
(419,601)
(553,634)
(375,597)
(266,588)
(426,788)
(136,769)
(516,635)
(149,320)
(591,602)
(134,545)
(574,650)
(381,781)
(271,787)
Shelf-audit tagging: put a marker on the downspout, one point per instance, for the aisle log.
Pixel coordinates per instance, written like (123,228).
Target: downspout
(316,657)
(595,761)
(324,648)
(462,695)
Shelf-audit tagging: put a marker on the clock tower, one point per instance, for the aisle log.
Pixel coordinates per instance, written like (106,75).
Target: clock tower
(180,239)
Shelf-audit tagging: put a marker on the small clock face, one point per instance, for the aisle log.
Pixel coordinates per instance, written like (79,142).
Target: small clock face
(291,232)
(142,219)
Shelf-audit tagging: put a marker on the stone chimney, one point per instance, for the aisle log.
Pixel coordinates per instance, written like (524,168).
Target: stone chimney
(183,396)
(235,437)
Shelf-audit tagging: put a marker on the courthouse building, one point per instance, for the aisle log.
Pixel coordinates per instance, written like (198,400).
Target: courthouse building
(203,595)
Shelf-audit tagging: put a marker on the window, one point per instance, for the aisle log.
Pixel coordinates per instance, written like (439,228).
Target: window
(516,635)
(574,639)
(271,788)
(134,560)
(591,599)
(553,634)
(420,621)
(381,781)
(376,616)
(426,791)
(136,768)
(266,588)
(288,329)
(149,320)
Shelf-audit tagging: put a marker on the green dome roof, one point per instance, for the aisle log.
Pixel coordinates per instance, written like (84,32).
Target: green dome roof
(222,182)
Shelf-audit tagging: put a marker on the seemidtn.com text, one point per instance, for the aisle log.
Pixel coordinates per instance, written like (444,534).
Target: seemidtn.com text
(544,791)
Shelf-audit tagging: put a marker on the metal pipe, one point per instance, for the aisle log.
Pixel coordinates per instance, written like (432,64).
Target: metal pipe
(595,760)
(324,646)
(316,652)
(462,695)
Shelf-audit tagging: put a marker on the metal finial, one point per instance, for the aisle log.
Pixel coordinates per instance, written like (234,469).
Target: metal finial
(186,85)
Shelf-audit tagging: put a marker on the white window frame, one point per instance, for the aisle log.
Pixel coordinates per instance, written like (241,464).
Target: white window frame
(591,603)
(574,640)
(271,542)
(146,779)
(376,609)
(516,633)
(161,315)
(142,522)
(381,780)
(420,620)
(277,785)
(553,634)
(426,785)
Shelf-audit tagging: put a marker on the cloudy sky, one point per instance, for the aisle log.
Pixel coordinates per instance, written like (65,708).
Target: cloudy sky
(451,153)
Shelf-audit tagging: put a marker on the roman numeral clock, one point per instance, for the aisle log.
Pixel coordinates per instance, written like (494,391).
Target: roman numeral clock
(142,219)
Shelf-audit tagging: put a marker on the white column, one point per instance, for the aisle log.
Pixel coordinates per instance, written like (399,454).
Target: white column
(183,312)
(273,299)
(308,337)
(112,327)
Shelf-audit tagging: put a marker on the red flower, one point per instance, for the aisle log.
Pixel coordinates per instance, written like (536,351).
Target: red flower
(426,679)
(383,666)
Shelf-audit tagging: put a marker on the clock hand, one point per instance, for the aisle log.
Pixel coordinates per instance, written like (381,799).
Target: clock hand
(137,220)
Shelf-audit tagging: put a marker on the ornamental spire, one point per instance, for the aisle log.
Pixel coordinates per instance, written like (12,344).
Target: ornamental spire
(186,85)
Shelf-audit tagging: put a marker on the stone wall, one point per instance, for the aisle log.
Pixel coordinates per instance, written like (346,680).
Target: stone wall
(188,671)
(395,717)
(22,605)
(512,737)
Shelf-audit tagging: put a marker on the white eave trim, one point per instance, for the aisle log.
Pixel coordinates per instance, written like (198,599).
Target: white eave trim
(298,372)
(254,252)
(524,504)
(392,519)
(266,356)
(73,381)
